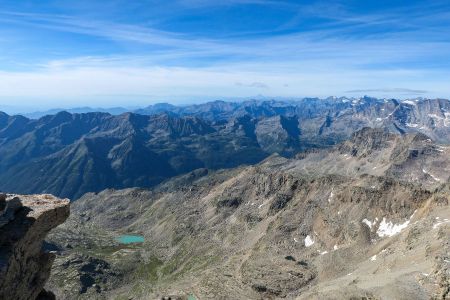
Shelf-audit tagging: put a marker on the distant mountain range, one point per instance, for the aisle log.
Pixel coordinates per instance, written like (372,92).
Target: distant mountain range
(69,154)
(428,116)
(77,110)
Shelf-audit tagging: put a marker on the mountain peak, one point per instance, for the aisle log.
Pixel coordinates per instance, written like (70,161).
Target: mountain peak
(367,140)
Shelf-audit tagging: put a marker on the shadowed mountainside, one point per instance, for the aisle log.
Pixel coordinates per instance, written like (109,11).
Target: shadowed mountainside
(71,154)
(332,115)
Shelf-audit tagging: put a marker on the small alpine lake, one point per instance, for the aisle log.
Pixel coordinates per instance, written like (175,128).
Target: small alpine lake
(130,239)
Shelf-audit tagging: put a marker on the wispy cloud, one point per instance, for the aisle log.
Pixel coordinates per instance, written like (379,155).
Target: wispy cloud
(391,91)
(323,43)
(114,31)
(209,3)
(259,85)
(345,53)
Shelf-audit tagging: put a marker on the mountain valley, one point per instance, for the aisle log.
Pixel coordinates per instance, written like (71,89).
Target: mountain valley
(360,220)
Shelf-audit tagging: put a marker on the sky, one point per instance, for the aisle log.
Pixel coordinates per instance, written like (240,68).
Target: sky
(134,53)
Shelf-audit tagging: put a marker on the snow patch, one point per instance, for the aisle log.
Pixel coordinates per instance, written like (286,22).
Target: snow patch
(368,223)
(432,176)
(410,102)
(390,229)
(335,247)
(330,198)
(439,223)
(309,241)
(435,178)
(434,116)
(373,258)
(447,119)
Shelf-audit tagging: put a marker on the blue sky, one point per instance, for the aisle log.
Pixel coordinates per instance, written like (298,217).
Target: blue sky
(121,52)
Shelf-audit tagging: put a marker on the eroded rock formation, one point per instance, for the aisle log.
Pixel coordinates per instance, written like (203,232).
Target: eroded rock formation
(24,223)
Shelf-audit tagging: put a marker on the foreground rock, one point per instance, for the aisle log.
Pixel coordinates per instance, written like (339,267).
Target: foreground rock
(24,223)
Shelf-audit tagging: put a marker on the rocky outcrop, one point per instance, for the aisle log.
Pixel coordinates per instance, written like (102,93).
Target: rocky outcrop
(24,223)
(81,274)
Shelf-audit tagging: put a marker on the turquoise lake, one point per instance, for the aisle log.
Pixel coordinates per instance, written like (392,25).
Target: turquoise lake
(130,239)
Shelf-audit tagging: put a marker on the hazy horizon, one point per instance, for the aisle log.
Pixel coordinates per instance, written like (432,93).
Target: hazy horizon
(30,110)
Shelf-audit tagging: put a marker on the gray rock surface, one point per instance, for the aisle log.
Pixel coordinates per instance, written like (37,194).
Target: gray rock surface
(342,223)
(24,223)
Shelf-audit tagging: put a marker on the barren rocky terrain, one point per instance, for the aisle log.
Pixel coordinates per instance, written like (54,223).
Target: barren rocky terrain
(366,219)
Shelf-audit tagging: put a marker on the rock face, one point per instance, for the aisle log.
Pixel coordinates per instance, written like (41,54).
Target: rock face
(24,223)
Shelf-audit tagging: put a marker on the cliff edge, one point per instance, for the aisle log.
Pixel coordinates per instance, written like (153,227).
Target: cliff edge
(24,223)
